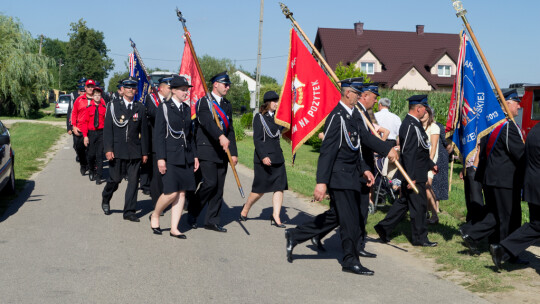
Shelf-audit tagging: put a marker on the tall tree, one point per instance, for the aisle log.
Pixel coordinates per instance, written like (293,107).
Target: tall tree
(24,74)
(56,50)
(86,55)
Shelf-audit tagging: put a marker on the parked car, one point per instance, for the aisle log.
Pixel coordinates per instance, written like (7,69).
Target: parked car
(62,105)
(7,161)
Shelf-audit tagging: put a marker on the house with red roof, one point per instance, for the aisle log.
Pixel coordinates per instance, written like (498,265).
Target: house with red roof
(397,60)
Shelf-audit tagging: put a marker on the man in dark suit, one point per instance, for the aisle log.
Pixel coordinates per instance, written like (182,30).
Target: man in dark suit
(339,169)
(529,233)
(501,173)
(74,95)
(416,162)
(125,142)
(212,142)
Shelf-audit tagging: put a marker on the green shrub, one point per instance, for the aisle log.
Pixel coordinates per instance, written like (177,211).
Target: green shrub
(239,129)
(439,101)
(247,120)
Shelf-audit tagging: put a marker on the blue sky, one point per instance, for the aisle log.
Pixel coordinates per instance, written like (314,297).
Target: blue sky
(507,31)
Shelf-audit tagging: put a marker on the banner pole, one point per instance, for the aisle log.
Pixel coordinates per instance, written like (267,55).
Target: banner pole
(148,78)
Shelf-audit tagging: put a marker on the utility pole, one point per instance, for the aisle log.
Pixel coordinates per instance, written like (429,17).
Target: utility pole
(258,73)
(40,43)
(60,75)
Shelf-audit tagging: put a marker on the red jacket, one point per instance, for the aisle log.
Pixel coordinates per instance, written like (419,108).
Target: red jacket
(87,121)
(79,107)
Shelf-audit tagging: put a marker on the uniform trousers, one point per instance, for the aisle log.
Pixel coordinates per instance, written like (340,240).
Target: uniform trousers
(474,199)
(95,151)
(146,173)
(156,183)
(526,235)
(210,192)
(502,218)
(115,177)
(345,212)
(416,204)
(80,149)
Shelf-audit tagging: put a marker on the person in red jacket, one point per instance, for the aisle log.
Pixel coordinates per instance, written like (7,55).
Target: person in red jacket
(91,127)
(79,107)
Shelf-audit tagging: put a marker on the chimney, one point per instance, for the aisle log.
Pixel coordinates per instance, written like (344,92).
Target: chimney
(420,30)
(359,28)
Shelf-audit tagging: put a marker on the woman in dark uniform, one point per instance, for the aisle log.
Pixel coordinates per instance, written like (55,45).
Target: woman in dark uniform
(175,151)
(269,164)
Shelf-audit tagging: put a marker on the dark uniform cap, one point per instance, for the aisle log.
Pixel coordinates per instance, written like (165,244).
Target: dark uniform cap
(418,99)
(130,82)
(82,80)
(179,81)
(372,87)
(81,87)
(166,79)
(221,77)
(119,85)
(356,84)
(511,95)
(270,96)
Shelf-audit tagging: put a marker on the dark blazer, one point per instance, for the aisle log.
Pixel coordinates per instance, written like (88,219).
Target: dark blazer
(265,146)
(504,166)
(174,151)
(531,190)
(414,158)
(131,141)
(340,167)
(207,132)
(151,111)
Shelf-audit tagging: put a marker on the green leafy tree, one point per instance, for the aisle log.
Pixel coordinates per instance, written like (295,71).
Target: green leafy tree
(86,55)
(113,82)
(24,74)
(56,50)
(350,71)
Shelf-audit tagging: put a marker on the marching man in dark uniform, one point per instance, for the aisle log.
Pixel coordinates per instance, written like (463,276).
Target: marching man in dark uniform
(269,163)
(175,153)
(125,141)
(529,233)
(501,173)
(339,169)
(212,142)
(416,162)
(119,91)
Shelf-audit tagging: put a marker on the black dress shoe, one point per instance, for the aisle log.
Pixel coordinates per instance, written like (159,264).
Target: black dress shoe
(155,230)
(497,252)
(83,170)
(382,234)
(91,175)
(290,245)
(426,244)
(192,221)
(366,254)
(358,269)
(106,207)
(273,222)
(179,236)
(132,218)
(146,192)
(98,180)
(316,241)
(215,227)
(469,242)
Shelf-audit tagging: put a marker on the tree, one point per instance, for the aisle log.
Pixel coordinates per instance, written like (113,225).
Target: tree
(86,55)
(56,50)
(24,74)
(350,71)
(113,82)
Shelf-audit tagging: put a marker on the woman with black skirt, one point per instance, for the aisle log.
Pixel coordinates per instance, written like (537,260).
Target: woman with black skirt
(269,164)
(175,151)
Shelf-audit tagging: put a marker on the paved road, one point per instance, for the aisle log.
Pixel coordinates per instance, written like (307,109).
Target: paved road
(57,246)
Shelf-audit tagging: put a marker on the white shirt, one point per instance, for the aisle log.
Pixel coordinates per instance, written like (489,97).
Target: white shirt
(217,98)
(271,113)
(390,121)
(349,109)
(176,102)
(127,103)
(414,118)
(161,97)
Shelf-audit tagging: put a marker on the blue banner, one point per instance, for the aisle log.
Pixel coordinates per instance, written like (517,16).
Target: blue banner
(479,109)
(143,86)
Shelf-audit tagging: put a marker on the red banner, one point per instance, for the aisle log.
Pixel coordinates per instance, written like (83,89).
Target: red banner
(456,91)
(307,96)
(188,69)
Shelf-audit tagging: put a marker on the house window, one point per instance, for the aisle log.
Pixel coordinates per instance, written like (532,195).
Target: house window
(444,71)
(368,68)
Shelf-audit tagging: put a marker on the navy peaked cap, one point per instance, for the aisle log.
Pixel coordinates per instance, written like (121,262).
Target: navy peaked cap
(512,95)
(418,99)
(222,77)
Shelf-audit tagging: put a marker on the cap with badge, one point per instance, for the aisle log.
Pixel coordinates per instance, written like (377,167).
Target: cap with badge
(166,80)
(130,82)
(511,94)
(270,96)
(90,82)
(372,87)
(418,99)
(178,81)
(81,88)
(82,80)
(222,77)
(356,84)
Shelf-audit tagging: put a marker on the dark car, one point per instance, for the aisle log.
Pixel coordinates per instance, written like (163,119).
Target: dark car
(7,162)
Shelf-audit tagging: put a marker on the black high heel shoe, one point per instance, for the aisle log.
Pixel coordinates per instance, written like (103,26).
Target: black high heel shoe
(155,230)
(242,218)
(273,222)
(179,236)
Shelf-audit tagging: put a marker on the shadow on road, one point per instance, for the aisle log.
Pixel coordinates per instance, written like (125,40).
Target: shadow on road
(13,204)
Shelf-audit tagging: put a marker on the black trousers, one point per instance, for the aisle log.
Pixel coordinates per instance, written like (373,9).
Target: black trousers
(416,204)
(146,173)
(80,149)
(156,184)
(345,212)
(95,151)
(474,198)
(526,235)
(503,215)
(115,177)
(211,191)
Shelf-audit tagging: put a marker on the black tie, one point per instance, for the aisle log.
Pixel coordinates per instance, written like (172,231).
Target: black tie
(96,118)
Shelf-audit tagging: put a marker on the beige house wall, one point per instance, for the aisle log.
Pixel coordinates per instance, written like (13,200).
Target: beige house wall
(369,57)
(445,60)
(412,81)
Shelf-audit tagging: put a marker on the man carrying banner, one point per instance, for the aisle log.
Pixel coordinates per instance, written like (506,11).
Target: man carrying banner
(212,142)
(501,173)
(339,169)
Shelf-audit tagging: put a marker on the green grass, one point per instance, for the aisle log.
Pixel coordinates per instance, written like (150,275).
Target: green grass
(44,114)
(30,142)
(450,254)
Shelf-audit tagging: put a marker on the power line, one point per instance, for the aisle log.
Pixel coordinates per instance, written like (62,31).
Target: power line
(178,60)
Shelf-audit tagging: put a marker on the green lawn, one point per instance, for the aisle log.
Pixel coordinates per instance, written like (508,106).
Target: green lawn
(30,142)
(450,255)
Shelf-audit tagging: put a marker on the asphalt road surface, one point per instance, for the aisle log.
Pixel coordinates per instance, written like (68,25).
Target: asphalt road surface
(57,246)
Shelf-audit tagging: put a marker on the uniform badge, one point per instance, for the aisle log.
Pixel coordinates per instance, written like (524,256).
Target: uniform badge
(122,118)
(136,117)
(348,116)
